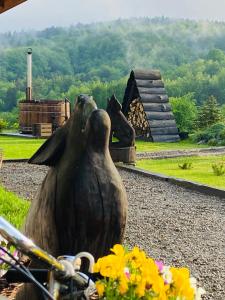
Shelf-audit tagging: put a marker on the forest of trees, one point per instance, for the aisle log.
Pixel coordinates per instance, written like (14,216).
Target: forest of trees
(97,58)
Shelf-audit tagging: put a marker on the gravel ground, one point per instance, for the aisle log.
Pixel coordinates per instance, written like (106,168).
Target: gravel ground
(181,153)
(179,226)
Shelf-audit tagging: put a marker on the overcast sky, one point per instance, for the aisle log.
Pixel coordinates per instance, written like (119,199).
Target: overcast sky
(39,14)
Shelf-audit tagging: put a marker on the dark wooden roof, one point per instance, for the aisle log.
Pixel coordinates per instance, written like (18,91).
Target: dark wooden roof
(8,4)
(148,87)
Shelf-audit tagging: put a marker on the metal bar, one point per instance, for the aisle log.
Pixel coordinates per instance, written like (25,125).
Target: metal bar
(29,74)
(14,276)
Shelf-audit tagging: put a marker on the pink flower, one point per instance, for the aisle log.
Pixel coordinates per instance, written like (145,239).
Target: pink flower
(16,254)
(160,265)
(127,272)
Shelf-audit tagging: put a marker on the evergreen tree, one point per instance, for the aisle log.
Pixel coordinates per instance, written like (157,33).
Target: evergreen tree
(209,113)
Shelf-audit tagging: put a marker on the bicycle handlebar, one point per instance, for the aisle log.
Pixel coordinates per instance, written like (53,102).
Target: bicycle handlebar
(63,269)
(27,246)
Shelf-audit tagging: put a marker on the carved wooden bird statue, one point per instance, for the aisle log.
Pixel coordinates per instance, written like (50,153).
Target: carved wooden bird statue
(82,203)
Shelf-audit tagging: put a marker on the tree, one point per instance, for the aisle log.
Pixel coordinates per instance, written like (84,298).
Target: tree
(11,99)
(185,111)
(209,113)
(92,59)
(216,55)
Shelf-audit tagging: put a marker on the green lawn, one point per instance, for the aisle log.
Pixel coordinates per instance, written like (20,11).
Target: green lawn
(154,147)
(201,170)
(13,208)
(16,147)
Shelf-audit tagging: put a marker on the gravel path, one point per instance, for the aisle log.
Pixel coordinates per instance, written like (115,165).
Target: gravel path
(181,153)
(179,226)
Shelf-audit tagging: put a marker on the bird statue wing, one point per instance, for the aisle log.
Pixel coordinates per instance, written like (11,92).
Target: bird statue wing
(51,151)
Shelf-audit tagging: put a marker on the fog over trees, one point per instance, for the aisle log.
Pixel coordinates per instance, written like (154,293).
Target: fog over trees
(97,59)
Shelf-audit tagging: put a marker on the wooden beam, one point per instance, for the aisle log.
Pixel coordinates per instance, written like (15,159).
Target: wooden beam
(165,138)
(164,130)
(8,4)
(157,107)
(159,115)
(146,74)
(149,83)
(146,98)
(151,91)
(161,123)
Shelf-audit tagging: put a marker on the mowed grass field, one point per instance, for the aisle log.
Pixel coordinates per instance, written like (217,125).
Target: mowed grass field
(143,146)
(200,172)
(13,208)
(19,148)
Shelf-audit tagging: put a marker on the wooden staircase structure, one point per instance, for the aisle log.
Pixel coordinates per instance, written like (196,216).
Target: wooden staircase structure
(146,105)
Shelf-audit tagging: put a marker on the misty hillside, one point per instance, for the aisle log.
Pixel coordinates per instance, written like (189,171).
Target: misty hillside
(66,58)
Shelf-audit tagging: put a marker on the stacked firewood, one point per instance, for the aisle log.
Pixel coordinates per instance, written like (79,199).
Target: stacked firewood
(137,118)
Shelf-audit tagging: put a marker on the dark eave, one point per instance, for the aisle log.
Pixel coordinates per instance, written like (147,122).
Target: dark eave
(8,4)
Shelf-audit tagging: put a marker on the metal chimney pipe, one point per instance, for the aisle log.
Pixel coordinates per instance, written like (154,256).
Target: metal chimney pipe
(29,75)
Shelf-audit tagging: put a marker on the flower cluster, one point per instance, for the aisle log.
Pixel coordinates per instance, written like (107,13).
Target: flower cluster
(132,275)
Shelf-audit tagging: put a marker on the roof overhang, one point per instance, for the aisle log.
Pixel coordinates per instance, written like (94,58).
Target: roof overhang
(8,4)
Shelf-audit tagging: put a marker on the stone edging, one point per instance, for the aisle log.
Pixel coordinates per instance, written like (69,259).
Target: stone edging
(15,160)
(198,187)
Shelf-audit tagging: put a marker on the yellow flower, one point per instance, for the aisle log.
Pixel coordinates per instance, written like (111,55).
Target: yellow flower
(149,268)
(159,288)
(140,289)
(111,266)
(181,284)
(96,267)
(133,272)
(136,257)
(100,288)
(135,278)
(123,284)
(118,250)
(107,266)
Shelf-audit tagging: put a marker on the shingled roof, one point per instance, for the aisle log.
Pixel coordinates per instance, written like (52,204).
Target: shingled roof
(146,105)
